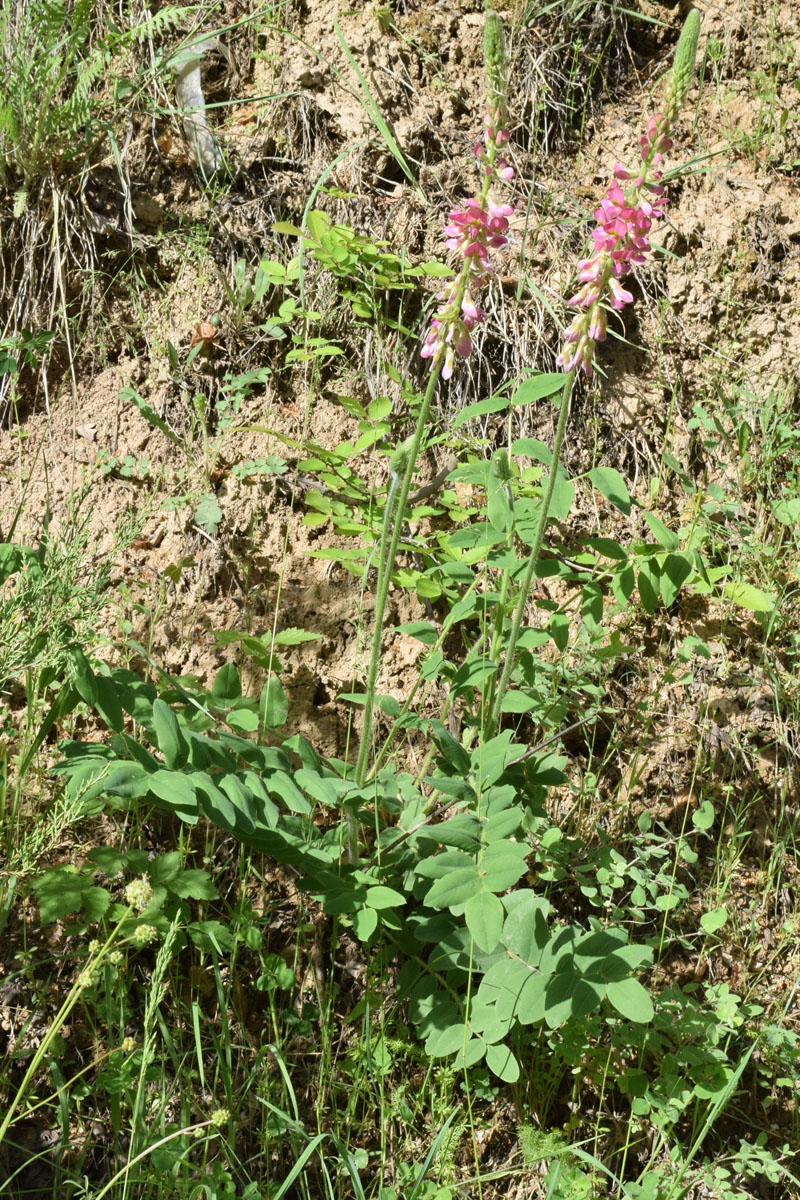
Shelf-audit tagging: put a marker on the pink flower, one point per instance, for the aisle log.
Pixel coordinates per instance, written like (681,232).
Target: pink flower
(472,232)
(624,217)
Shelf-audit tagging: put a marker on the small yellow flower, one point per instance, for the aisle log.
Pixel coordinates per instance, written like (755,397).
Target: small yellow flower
(220,1116)
(128,1045)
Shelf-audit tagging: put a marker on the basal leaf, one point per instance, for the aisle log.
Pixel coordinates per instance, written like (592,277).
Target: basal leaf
(227,686)
(171,742)
(454,888)
(675,570)
(610,484)
(273,705)
(484,916)
(631,1000)
(536,387)
(503,864)
(501,1062)
(745,595)
(380,897)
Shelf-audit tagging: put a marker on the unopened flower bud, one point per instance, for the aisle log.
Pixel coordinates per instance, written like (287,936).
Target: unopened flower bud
(494,52)
(683,66)
(501,466)
(398,463)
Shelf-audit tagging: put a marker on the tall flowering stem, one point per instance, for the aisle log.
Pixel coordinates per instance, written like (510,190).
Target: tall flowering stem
(624,218)
(472,232)
(479,227)
(623,222)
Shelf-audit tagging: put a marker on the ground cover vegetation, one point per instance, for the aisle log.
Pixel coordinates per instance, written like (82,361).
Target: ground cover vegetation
(398,600)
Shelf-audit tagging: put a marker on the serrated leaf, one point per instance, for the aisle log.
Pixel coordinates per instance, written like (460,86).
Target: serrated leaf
(211,936)
(631,1000)
(208,513)
(484,915)
(96,903)
(193,884)
(59,892)
(165,867)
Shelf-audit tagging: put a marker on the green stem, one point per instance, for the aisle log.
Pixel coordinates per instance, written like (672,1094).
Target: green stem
(387,557)
(536,550)
(56,1024)
(386,560)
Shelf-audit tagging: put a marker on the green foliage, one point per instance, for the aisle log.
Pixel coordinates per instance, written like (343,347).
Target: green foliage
(368,274)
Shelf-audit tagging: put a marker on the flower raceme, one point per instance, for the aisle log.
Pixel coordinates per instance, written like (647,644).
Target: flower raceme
(473,232)
(479,227)
(624,218)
